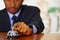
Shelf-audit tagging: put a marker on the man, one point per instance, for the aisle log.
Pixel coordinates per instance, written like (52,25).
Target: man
(26,18)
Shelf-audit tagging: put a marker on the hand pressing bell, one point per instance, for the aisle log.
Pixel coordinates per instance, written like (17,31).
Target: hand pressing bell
(19,29)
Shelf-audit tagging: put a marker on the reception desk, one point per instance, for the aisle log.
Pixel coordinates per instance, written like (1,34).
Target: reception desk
(39,36)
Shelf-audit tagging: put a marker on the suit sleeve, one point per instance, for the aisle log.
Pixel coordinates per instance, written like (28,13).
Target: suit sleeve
(36,20)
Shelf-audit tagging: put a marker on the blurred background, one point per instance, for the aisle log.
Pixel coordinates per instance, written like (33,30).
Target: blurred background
(50,13)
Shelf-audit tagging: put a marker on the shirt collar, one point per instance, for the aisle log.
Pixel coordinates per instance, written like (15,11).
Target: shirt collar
(16,14)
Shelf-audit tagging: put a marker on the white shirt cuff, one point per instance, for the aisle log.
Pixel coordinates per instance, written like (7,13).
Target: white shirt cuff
(34,29)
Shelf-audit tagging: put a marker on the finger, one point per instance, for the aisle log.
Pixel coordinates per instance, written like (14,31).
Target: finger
(19,28)
(28,32)
(23,30)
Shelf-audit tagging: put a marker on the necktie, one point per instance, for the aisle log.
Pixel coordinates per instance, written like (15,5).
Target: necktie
(14,19)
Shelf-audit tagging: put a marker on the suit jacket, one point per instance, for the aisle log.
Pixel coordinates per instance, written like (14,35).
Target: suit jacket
(29,14)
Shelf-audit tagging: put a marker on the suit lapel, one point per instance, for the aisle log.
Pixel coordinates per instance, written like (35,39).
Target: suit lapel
(23,15)
(7,19)
(19,19)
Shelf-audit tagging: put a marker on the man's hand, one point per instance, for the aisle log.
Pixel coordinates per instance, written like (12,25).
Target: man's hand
(22,28)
